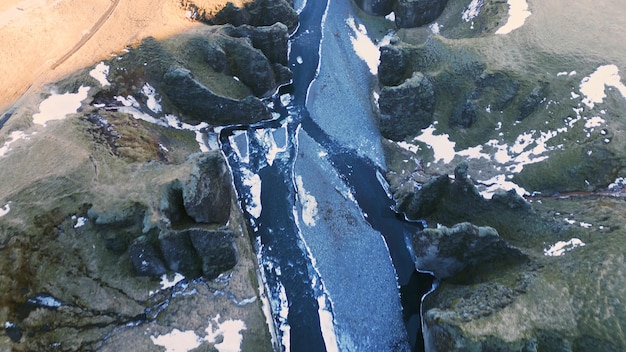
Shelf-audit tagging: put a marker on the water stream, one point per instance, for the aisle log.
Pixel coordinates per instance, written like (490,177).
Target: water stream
(273,162)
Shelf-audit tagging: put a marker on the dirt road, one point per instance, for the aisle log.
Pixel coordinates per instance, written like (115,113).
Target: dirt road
(44,40)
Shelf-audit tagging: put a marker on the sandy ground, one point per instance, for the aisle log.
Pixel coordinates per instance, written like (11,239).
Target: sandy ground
(44,40)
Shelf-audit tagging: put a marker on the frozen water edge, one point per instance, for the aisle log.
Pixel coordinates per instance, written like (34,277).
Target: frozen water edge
(362,286)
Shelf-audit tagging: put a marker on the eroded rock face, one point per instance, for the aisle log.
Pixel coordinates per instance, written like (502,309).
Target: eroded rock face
(207,194)
(200,102)
(416,13)
(407,108)
(255,13)
(257,56)
(447,252)
(376,7)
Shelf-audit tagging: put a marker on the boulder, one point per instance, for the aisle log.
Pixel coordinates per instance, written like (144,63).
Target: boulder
(447,252)
(407,108)
(216,250)
(416,13)
(179,254)
(207,194)
(376,7)
(272,40)
(146,258)
(395,64)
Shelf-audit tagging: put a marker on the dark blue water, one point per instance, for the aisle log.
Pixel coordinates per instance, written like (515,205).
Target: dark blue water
(276,227)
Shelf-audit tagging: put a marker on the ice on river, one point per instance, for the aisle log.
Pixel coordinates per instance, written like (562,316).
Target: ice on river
(351,258)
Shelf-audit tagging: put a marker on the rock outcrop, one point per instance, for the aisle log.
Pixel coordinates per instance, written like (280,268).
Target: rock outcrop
(198,101)
(463,248)
(406,108)
(416,13)
(408,13)
(255,13)
(207,194)
(257,56)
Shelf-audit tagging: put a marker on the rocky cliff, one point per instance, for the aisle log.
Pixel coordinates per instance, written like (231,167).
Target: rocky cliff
(119,220)
(495,139)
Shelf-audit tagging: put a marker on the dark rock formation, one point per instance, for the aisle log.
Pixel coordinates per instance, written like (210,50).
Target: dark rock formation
(179,254)
(215,249)
(201,104)
(208,193)
(464,247)
(173,205)
(532,101)
(395,64)
(120,224)
(255,13)
(198,252)
(407,108)
(376,7)
(256,55)
(416,13)
(146,258)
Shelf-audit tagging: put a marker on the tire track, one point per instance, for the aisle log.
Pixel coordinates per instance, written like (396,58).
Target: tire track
(94,29)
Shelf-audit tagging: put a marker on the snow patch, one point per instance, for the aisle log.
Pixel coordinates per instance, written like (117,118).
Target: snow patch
(101,73)
(593,86)
(166,283)
(152,102)
(80,221)
(308,202)
(229,330)
(253,182)
(435,27)
(559,248)
(178,341)
(5,209)
(363,46)
(518,13)
(472,10)
(58,106)
(13,137)
(442,146)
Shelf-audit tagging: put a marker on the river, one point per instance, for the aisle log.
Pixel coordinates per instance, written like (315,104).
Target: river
(332,252)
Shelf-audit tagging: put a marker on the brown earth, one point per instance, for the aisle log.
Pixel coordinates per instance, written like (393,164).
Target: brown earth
(44,40)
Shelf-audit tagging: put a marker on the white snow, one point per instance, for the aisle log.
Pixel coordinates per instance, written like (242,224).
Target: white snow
(391,17)
(101,74)
(229,330)
(152,102)
(166,283)
(435,27)
(595,121)
(58,106)
(13,137)
(500,182)
(442,146)
(239,142)
(472,10)
(5,209)
(178,341)
(593,86)
(253,204)
(327,325)
(285,99)
(308,202)
(559,248)
(46,301)
(363,46)
(80,221)
(518,13)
